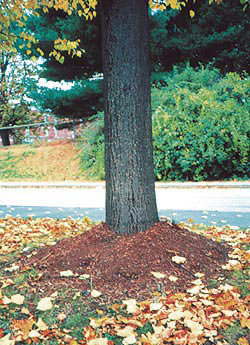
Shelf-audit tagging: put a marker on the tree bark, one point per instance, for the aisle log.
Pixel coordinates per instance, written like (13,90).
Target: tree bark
(5,137)
(130,192)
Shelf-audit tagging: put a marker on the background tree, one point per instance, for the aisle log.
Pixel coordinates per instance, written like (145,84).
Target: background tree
(15,79)
(216,34)
(85,98)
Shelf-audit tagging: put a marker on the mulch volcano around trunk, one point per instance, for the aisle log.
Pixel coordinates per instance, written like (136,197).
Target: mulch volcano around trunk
(120,266)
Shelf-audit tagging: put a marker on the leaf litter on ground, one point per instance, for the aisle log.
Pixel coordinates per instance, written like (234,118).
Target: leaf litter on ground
(200,315)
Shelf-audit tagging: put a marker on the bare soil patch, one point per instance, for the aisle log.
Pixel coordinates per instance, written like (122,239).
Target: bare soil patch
(121,266)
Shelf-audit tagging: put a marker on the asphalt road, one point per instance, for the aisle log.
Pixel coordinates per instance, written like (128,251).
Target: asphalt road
(220,206)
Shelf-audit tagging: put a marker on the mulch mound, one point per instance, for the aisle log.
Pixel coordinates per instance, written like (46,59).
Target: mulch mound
(120,266)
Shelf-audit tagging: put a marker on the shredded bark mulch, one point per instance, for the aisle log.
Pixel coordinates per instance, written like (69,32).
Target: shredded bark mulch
(120,266)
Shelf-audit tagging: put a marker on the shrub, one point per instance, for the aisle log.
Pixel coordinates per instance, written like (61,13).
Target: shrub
(200,127)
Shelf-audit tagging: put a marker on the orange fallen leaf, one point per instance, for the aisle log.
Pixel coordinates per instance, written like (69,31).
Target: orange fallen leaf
(244,322)
(25,326)
(242,341)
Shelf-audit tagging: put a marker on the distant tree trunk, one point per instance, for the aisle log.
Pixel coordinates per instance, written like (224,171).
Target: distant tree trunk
(130,192)
(5,137)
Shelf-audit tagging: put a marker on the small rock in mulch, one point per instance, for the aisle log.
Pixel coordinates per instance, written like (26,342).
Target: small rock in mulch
(121,266)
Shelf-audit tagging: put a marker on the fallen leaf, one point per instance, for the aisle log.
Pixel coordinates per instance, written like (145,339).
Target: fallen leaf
(155,306)
(41,326)
(25,311)
(131,305)
(179,259)
(244,322)
(6,340)
(197,282)
(44,304)
(17,299)
(6,300)
(199,275)
(84,276)
(7,282)
(129,340)
(61,317)
(98,341)
(195,327)
(12,268)
(126,332)
(25,326)
(67,273)
(173,278)
(34,334)
(95,293)
(194,290)
(228,312)
(242,341)
(158,275)
(176,315)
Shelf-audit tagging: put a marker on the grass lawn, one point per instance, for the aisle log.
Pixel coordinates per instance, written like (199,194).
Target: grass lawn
(214,313)
(55,161)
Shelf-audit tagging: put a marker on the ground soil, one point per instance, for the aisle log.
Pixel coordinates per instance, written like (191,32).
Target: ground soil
(120,266)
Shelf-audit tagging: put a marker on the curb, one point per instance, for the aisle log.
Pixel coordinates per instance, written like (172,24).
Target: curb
(94,185)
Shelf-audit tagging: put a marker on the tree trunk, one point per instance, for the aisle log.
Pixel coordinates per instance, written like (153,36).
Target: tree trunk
(130,192)
(5,137)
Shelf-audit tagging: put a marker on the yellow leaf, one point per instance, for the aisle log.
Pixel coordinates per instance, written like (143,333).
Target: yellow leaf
(176,315)
(67,273)
(6,340)
(129,340)
(25,326)
(95,293)
(98,341)
(25,311)
(158,275)
(131,305)
(194,290)
(61,316)
(242,341)
(197,282)
(155,306)
(126,332)
(191,13)
(179,259)
(45,304)
(41,325)
(195,327)
(17,299)
(245,323)
(40,51)
(28,52)
(34,334)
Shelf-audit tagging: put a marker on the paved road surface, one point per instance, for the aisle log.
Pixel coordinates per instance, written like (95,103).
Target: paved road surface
(205,205)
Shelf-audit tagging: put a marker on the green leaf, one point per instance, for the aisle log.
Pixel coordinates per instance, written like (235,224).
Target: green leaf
(61,60)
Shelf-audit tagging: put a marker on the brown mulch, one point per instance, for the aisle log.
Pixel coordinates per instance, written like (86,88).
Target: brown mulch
(120,266)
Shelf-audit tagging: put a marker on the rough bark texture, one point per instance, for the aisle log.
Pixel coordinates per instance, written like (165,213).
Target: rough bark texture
(130,193)
(5,137)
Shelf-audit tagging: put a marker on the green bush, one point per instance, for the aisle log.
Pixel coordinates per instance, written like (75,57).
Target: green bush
(200,127)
